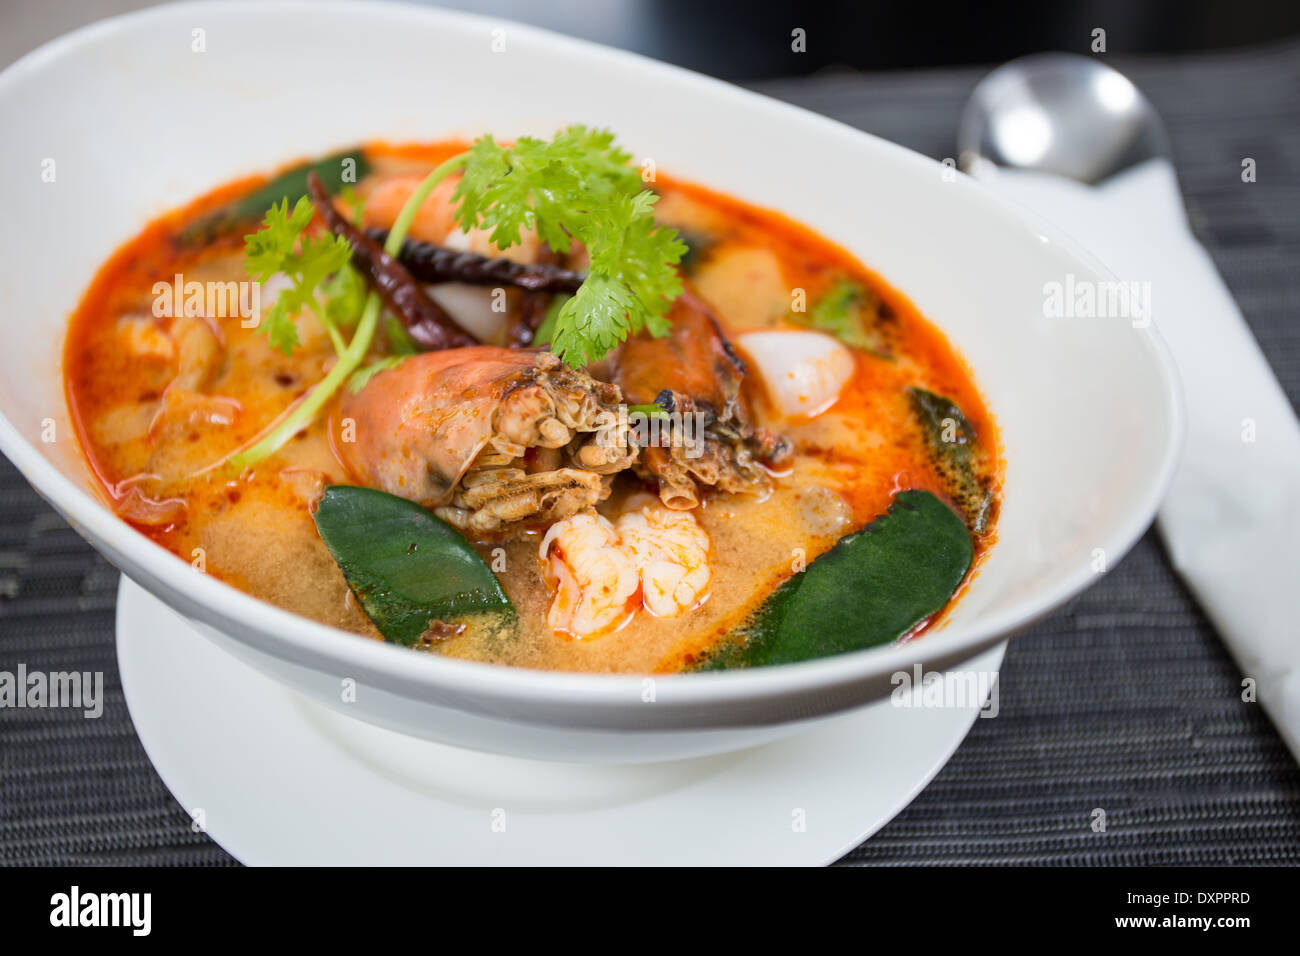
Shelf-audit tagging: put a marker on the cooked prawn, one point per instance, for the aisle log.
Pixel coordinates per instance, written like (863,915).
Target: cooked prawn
(490,438)
(598,568)
(671,551)
(595,580)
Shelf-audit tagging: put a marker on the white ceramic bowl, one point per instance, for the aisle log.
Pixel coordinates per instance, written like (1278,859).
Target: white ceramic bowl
(137,122)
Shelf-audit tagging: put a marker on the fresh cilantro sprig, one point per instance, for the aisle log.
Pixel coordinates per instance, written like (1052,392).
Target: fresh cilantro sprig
(578,186)
(314,265)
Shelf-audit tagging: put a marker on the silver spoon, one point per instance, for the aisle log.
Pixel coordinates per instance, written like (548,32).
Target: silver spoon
(1059,113)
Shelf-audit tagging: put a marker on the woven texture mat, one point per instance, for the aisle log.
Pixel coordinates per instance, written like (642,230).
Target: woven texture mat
(1125,700)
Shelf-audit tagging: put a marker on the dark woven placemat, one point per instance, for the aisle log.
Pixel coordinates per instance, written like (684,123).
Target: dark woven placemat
(1124,701)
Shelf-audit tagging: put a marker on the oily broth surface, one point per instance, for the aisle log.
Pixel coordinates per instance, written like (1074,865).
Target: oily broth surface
(256,532)
(752,543)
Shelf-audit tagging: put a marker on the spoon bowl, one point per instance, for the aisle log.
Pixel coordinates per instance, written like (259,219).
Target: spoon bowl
(1059,113)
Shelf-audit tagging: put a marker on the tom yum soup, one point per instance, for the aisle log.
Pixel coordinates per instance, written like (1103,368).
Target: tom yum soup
(510,402)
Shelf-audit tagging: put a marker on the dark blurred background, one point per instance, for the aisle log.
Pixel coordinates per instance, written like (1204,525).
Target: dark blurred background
(751,40)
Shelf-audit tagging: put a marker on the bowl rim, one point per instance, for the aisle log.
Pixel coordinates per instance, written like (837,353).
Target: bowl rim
(289,636)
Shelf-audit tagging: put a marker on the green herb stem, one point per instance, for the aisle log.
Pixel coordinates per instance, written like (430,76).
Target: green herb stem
(330,327)
(299,416)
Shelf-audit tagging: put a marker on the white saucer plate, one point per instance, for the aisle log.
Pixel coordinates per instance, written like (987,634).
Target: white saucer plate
(277,779)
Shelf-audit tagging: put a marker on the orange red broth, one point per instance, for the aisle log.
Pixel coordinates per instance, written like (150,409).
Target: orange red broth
(256,533)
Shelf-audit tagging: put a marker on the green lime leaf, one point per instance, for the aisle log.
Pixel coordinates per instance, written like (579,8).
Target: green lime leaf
(954,447)
(408,568)
(873,587)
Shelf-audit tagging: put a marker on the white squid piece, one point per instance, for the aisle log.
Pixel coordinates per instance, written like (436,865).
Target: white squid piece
(803,371)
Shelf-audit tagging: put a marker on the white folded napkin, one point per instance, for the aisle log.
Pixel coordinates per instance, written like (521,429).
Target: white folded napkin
(1231,520)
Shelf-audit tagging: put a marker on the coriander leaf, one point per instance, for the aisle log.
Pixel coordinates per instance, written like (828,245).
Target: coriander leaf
(345,297)
(594,321)
(280,246)
(265,249)
(578,185)
(642,255)
(280,327)
(486,164)
(320,257)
